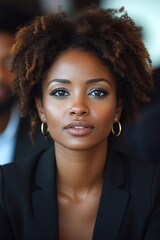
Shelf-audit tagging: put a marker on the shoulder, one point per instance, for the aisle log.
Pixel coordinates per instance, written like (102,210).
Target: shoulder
(135,163)
(141,179)
(138,173)
(134,170)
(18,179)
(23,170)
(137,166)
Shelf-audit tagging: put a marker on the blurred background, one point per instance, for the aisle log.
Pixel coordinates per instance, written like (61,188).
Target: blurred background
(145,13)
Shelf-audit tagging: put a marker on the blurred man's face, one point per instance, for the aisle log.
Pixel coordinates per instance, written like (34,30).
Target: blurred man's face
(6,77)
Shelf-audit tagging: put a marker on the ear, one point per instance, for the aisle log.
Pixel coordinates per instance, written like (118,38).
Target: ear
(40,109)
(119,109)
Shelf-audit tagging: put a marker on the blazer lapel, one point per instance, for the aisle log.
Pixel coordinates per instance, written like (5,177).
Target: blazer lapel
(112,206)
(113,201)
(44,200)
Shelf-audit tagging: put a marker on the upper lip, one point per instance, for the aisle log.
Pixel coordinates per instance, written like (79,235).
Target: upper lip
(78,124)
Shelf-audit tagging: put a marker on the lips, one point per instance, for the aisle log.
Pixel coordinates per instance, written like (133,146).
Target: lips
(79,128)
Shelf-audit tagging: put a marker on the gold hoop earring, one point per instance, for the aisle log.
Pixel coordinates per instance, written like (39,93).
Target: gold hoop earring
(118,128)
(44,129)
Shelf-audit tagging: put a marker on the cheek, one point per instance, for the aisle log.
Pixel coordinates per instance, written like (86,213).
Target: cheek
(106,123)
(104,115)
(53,114)
(53,121)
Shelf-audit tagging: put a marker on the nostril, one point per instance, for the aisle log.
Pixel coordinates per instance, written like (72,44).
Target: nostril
(78,111)
(84,113)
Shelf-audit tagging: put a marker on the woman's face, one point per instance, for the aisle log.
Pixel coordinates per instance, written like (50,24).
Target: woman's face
(79,100)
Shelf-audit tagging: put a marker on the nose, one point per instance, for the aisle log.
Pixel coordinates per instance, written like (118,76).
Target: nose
(79,108)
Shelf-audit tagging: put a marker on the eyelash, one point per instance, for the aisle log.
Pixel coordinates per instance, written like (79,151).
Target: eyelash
(62,92)
(101,92)
(58,90)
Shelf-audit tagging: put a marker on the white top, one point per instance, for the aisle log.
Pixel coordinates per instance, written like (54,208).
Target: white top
(8,138)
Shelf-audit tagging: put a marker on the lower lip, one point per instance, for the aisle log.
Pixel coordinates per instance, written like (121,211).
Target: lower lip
(79,131)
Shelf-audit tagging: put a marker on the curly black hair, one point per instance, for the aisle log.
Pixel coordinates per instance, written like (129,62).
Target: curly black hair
(109,33)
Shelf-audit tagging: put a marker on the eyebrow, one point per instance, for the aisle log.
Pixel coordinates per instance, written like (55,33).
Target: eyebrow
(90,81)
(60,81)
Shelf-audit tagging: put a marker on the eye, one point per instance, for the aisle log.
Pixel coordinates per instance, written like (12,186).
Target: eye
(59,92)
(98,92)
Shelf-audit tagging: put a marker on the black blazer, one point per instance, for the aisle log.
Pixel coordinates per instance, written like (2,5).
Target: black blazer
(129,207)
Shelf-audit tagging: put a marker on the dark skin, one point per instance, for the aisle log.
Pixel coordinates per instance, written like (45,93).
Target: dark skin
(79,105)
(6,77)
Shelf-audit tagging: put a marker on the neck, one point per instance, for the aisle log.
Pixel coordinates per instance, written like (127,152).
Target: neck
(80,171)
(4,119)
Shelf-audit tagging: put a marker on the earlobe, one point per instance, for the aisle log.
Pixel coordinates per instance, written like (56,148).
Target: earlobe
(40,109)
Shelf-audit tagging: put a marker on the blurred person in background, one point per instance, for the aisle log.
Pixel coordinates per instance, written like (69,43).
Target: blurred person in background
(141,138)
(14,131)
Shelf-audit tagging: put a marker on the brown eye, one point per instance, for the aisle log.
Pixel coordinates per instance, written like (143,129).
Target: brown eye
(59,92)
(98,93)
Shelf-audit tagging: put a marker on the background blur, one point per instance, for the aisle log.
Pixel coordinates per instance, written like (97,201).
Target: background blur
(145,13)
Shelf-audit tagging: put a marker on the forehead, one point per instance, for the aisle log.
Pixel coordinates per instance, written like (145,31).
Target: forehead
(79,64)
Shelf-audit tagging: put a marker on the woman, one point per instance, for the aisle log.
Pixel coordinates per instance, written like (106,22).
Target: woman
(80,78)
